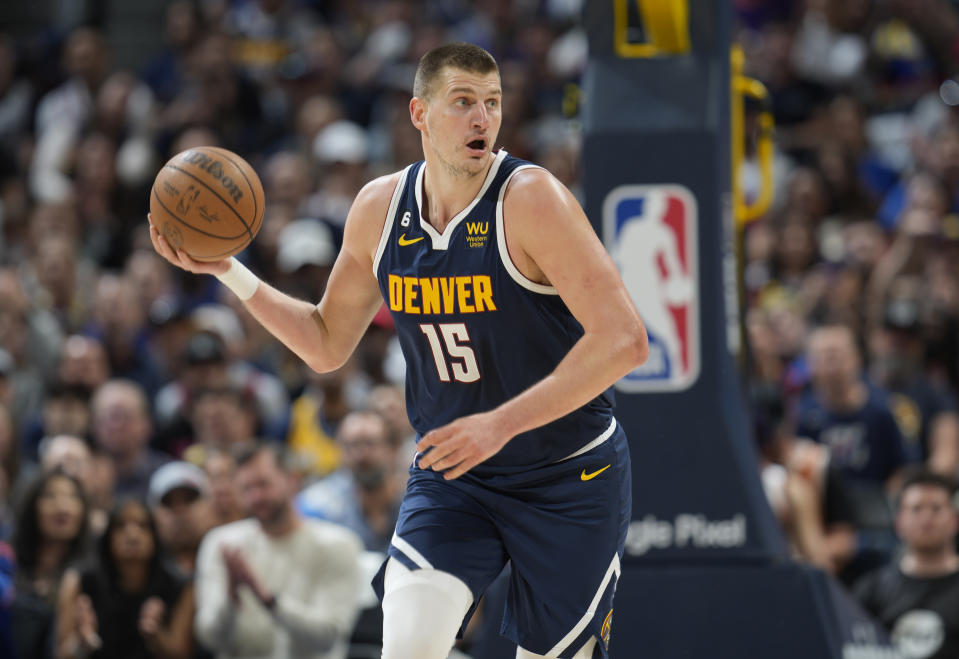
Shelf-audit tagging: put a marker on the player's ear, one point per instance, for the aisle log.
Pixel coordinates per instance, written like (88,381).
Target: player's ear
(418,113)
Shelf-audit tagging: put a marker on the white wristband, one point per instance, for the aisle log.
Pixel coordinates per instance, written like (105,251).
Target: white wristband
(240,280)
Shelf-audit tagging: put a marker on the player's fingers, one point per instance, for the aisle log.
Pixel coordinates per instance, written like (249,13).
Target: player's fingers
(187,260)
(165,250)
(461,469)
(451,459)
(432,438)
(435,455)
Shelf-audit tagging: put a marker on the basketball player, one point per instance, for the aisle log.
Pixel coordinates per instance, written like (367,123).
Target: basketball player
(514,323)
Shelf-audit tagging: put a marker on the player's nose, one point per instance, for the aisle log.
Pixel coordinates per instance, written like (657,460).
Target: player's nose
(480,118)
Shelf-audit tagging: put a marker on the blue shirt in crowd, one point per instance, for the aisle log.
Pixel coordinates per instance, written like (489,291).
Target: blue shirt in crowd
(864,444)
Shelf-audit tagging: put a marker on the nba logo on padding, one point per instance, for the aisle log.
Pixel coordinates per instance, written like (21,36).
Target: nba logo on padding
(650,231)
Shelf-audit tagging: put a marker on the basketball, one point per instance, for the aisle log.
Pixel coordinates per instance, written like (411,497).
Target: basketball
(208,202)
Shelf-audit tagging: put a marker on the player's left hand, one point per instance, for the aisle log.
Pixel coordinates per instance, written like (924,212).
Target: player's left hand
(459,446)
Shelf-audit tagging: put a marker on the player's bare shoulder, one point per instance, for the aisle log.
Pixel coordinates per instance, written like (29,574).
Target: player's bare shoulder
(538,206)
(535,196)
(367,216)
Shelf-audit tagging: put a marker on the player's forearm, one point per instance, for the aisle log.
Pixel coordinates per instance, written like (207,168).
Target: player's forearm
(297,325)
(594,363)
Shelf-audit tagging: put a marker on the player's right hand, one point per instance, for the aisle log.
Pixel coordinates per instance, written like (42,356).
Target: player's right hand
(181,259)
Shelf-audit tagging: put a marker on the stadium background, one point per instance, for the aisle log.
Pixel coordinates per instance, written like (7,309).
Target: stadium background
(862,229)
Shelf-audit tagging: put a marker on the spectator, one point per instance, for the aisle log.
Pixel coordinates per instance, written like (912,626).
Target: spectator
(220,469)
(365,495)
(180,502)
(121,428)
(63,111)
(31,338)
(129,603)
(83,362)
(119,322)
(73,456)
(342,150)
(917,597)
(65,411)
(50,537)
(841,411)
(221,420)
(250,602)
(317,412)
(389,400)
(924,408)
(209,367)
(808,495)
(304,257)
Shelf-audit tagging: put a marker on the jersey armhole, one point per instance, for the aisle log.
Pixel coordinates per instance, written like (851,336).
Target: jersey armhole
(504,256)
(390,216)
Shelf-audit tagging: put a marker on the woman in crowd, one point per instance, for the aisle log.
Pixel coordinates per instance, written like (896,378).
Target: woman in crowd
(129,584)
(50,536)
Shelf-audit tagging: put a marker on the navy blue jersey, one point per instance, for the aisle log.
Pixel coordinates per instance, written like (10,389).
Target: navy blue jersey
(474,331)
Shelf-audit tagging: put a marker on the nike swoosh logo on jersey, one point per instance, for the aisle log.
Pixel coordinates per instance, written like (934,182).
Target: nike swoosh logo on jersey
(404,242)
(585,477)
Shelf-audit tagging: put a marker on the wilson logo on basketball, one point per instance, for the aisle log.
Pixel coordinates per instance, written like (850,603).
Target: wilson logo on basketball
(476,233)
(215,169)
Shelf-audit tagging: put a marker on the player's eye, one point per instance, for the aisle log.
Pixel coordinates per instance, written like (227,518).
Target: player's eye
(492,103)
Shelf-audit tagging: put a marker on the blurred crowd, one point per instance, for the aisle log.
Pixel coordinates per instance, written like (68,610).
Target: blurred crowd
(852,294)
(127,388)
(130,392)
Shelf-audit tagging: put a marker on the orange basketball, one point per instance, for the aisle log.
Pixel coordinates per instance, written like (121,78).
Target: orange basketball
(208,202)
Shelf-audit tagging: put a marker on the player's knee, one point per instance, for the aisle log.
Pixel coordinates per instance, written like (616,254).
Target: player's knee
(422,611)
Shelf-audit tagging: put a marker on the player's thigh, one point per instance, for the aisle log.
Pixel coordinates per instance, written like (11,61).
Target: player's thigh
(443,527)
(565,539)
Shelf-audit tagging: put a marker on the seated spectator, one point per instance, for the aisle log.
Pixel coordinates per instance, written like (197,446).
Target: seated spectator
(364,495)
(129,603)
(221,418)
(808,495)
(220,469)
(119,322)
(924,407)
(851,418)
(83,362)
(121,428)
(390,401)
(50,536)
(316,413)
(65,411)
(180,501)
(73,456)
(917,597)
(207,365)
(275,585)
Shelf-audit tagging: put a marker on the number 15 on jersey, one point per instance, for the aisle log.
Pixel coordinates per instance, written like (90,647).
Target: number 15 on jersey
(449,343)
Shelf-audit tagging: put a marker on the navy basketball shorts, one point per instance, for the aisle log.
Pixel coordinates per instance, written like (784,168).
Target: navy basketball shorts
(562,528)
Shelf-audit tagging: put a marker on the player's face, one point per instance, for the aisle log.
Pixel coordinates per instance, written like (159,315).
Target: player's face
(461,120)
(926,520)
